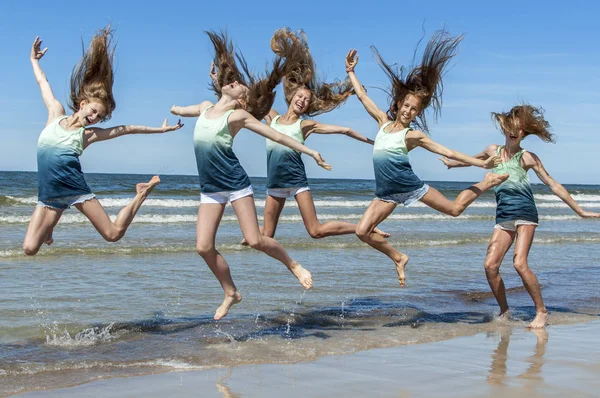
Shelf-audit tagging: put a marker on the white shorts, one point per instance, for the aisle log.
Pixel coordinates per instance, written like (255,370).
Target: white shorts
(225,196)
(407,198)
(286,192)
(513,224)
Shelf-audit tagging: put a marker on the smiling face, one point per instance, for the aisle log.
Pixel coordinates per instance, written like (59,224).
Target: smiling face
(91,111)
(514,133)
(409,109)
(300,101)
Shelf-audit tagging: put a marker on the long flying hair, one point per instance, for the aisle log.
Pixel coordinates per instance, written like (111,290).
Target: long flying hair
(424,80)
(526,117)
(261,90)
(325,97)
(93,76)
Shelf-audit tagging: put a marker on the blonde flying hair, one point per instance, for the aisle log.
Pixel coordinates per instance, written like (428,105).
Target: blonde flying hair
(424,80)
(325,97)
(93,77)
(527,118)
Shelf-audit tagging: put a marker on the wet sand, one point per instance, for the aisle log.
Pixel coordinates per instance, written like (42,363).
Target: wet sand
(511,361)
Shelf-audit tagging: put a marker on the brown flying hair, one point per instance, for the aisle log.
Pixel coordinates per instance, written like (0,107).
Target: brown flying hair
(325,97)
(527,118)
(424,80)
(93,77)
(261,90)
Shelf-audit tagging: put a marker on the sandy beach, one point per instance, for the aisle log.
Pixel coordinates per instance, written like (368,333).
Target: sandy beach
(512,361)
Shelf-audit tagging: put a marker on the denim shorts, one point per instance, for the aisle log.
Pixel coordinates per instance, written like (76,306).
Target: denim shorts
(407,198)
(66,201)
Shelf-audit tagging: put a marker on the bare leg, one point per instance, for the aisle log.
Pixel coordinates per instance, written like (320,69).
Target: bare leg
(246,213)
(378,211)
(110,231)
(318,230)
(273,208)
(209,218)
(500,242)
(525,235)
(42,223)
(434,199)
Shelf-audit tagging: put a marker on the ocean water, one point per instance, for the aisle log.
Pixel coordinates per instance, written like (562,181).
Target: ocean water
(84,308)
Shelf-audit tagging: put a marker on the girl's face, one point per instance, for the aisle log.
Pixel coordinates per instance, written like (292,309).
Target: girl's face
(301,101)
(90,112)
(515,134)
(236,91)
(409,109)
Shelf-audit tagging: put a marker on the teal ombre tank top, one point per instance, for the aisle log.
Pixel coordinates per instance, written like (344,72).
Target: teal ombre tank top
(218,167)
(514,196)
(59,170)
(393,172)
(285,168)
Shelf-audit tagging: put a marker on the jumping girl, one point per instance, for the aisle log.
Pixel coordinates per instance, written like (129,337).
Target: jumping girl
(395,180)
(306,96)
(516,213)
(243,101)
(61,183)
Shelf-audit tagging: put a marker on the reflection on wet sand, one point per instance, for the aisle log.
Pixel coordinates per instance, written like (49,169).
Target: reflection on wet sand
(532,376)
(223,388)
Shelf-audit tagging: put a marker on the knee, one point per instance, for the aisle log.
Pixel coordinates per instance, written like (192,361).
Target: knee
(362,233)
(456,211)
(491,266)
(255,242)
(113,235)
(204,249)
(520,264)
(30,249)
(315,232)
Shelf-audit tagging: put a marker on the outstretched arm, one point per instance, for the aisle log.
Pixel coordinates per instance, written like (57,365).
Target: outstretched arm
(487,153)
(416,138)
(532,161)
(361,93)
(55,108)
(241,119)
(190,111)
(93,134)
(310,126)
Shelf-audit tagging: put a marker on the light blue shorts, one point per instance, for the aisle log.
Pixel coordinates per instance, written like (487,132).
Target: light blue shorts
(407,198)
(65,202)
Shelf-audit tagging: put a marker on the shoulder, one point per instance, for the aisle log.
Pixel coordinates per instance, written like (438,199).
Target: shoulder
(530,159)
(491,149)
(308,123)
(204,105)
(416,134)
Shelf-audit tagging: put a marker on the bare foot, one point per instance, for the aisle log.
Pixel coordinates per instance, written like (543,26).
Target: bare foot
(504,317)
(304,277)
(243,242)
(493,180)
(540,320)
(49,239)
(382,233)
(400,266)
(144,188)
(227,304)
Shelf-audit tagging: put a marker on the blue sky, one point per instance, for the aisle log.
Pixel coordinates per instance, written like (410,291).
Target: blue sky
(542,52)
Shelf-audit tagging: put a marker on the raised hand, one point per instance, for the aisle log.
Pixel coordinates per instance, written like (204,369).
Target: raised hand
(165,126)
(36,52)
(320,161)
(351,60)
(492,162)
